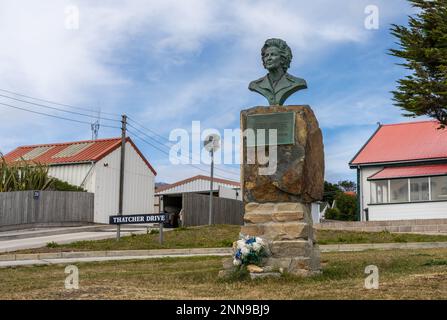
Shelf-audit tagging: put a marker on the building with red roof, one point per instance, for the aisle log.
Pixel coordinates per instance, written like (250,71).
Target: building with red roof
(402,172)
(95,166)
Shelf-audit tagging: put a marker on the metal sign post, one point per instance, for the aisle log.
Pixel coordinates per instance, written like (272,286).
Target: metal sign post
(161,232)
(211,144)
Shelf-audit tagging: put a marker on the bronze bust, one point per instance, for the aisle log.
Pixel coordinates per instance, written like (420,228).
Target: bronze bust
(277,85)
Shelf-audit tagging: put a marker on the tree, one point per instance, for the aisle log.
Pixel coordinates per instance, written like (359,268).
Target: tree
(423,44)
(346,185)
(330,191)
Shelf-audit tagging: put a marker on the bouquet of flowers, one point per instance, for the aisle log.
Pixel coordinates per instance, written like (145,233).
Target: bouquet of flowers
(249,250)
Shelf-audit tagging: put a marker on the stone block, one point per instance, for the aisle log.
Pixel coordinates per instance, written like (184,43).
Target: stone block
(299,174)
(254,276)
(296,248)
(254,269)
(285,216)
(252,230)
(254,217)
(286,231)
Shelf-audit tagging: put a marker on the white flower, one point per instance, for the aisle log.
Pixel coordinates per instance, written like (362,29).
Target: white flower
(240,244)
(245,251)
(237,262)
(256,246)
(259,241)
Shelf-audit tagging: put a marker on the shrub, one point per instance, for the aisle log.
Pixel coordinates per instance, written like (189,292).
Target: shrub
(59,185)
(52,244)
(332,214)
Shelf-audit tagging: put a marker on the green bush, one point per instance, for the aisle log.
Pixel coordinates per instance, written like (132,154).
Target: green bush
(345,208)
(59,185)
(332,214)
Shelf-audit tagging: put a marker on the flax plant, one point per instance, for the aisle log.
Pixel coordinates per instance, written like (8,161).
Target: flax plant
(23,175)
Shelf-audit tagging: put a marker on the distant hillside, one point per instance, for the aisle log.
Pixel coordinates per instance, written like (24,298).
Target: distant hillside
(160,184)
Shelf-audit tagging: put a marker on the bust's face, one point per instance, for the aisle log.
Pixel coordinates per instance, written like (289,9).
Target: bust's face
(272,58)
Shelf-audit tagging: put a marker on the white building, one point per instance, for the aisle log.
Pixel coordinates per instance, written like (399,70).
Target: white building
(402,172)
(95,166)
(171,195)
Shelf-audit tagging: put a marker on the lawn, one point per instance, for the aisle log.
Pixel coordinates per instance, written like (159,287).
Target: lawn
(218,236)
(404,274)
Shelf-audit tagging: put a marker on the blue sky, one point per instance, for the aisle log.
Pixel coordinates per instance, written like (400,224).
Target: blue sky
(168,63)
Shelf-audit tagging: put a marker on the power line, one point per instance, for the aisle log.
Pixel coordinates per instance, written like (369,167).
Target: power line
(163,151)
(57,103)
(189,157)
(223,170)
(53,116)
(152,131)
(58,109)
(140,131)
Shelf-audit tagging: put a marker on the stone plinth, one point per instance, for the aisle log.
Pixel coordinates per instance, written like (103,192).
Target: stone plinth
(288,229)
(277,204)
(300,166)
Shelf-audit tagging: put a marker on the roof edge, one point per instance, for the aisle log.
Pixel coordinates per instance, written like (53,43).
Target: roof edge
(197,177)
(404,162)
(365,144)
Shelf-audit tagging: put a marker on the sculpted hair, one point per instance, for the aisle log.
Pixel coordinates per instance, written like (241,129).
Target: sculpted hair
(285,51)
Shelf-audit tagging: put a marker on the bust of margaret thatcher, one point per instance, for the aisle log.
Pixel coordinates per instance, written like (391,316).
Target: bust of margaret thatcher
(277,85)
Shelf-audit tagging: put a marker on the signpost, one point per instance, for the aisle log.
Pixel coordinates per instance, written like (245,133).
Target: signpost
(140,218)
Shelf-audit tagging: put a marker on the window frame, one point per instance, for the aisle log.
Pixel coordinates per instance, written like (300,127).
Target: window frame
(373,189)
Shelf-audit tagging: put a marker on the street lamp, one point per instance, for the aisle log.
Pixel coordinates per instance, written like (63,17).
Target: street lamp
(211,144)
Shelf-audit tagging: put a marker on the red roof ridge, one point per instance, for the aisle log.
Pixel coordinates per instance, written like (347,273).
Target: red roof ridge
(67,143)
(199,176)
(408,123)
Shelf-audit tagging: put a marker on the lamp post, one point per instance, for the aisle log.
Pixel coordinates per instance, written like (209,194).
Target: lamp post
(211,144)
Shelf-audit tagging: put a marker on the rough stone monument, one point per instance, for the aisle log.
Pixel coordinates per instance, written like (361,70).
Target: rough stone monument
(277,201)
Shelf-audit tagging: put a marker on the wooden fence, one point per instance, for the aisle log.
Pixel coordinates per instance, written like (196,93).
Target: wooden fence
(225,211)
(30,208)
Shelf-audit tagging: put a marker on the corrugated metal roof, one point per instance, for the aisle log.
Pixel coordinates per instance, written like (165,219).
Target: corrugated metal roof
(404,142)
(198,177)
(70,152)
(410,171)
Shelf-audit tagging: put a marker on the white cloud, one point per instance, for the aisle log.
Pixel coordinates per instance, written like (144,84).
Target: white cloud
(40,57)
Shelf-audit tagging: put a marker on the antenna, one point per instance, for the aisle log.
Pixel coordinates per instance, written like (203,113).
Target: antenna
(95,126)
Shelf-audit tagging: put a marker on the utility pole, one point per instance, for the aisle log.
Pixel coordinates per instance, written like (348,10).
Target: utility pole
(123,155)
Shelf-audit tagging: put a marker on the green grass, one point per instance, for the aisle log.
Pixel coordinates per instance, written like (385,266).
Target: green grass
(403,274)
(219,236)
(340,237)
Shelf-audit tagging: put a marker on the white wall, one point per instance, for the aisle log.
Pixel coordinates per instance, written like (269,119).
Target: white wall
(365,189)
(75,174)
(198,185)
(138,185)
(424,210)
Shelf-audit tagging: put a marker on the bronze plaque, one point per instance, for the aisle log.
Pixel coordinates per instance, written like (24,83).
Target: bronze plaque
(283,122)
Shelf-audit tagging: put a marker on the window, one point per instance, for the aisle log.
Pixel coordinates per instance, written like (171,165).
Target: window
(399,190)
(439,188)
(419,189)
(409,190)
(379,191)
